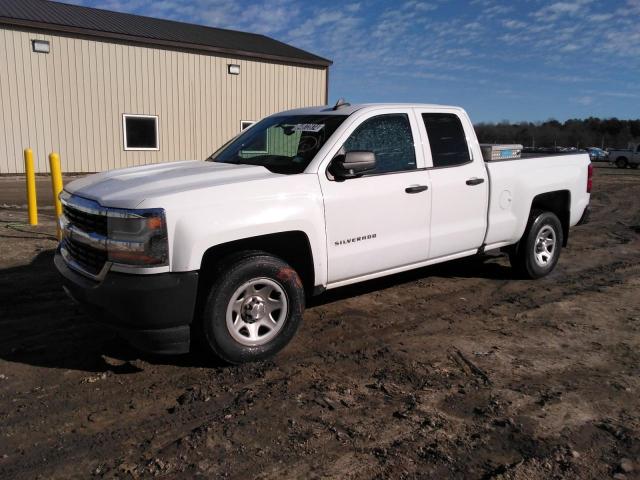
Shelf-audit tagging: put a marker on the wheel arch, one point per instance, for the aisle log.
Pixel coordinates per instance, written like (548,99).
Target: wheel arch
(294,247)
(559,203)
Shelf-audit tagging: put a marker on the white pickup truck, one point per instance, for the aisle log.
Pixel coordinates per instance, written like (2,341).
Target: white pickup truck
(626,158)
(225,251)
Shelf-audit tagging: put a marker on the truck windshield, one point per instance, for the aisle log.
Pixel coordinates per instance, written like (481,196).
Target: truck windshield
(283,144)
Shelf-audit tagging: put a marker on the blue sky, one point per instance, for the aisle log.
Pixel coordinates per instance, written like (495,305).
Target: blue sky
(499,59)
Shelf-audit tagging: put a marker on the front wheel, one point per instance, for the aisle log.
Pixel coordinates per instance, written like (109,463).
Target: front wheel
(621,162)
(537,252)
(253,308)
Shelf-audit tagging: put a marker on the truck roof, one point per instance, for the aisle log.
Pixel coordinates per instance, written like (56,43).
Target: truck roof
(348,109)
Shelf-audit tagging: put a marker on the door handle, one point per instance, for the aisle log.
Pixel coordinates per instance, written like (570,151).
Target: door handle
(416,188)
(475,181)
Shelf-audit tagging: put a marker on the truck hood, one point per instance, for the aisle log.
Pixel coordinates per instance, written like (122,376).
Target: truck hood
(129,187)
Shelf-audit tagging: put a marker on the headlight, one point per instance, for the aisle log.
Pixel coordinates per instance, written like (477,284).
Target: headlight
(137,237)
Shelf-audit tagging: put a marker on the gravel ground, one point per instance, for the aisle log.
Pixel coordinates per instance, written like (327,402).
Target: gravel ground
(452,371)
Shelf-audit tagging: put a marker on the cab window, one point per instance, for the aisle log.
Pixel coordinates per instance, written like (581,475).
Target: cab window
(390,138)
(447,139)
(283,144)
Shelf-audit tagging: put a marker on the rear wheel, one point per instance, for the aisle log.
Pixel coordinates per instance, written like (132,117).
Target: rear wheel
(634,165)
(621,162)
(537,252)
(253,308)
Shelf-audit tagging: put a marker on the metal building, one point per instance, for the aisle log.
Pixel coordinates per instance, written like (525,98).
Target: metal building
(108,90)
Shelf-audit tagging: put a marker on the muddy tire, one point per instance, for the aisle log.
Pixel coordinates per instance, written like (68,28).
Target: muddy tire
(622,162)
(538,251)
(253,308)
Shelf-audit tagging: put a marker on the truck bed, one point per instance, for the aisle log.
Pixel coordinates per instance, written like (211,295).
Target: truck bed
(550,154)
(515,183)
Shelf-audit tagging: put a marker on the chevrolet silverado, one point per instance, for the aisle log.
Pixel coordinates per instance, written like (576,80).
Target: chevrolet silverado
(225,251)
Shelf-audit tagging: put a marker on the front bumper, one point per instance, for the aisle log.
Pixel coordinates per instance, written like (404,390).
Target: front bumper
(153,312)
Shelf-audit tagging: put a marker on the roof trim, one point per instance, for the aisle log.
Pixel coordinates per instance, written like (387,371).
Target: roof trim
(55,28)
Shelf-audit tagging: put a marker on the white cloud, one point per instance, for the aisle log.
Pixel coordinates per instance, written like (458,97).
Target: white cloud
(600,17)
(514,24)
(584,100)
(620,94)
(497,10)
(558,9)
(570,47)
(419,6)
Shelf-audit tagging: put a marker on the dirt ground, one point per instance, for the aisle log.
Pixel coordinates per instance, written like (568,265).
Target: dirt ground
(452,371)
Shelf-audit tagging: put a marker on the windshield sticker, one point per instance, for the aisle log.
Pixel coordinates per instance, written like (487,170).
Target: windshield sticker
(308,127)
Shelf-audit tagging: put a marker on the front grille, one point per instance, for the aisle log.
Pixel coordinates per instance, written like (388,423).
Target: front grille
(87,222)
(90,259)
(84,216)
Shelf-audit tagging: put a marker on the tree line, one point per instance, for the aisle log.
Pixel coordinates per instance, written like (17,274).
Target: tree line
(590,132)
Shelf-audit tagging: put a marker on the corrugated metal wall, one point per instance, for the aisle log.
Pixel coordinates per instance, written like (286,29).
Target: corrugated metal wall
(72,100)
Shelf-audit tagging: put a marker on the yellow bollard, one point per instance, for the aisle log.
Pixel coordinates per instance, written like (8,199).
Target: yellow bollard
(56,185)
(32,200)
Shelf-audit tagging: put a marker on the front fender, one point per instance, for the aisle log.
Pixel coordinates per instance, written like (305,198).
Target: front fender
(241,211)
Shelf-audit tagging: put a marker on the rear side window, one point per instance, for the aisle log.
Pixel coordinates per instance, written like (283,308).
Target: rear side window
(446,138)
(390,138)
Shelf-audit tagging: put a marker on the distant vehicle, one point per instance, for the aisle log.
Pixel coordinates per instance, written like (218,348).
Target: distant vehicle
(597,154)
(625,158)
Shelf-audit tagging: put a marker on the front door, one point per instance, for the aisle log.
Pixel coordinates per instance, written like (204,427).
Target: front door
(378,221)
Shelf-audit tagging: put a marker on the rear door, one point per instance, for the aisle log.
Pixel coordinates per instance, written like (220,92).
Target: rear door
(459,183)
(379,221)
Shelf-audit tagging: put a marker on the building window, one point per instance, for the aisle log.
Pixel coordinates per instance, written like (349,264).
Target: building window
(140,132)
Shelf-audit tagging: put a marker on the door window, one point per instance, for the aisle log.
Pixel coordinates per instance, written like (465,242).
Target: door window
(390,138)
(447,139)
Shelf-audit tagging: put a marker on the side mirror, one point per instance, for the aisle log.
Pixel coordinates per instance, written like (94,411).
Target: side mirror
(353,164)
